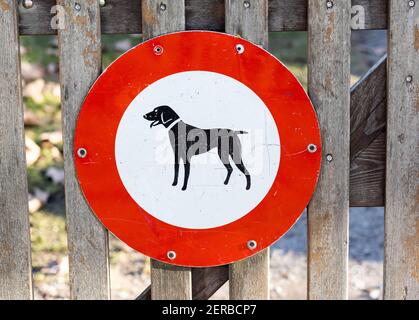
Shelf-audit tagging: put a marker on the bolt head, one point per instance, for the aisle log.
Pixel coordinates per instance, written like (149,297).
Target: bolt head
(329,157)
(239,48)
(171,255)
(81,152)
(329,4)
(163,6)
(246,4)
(409,79)
(102,3)
(158,50)
(252,244)
(77,6)
(412,3)
(27,4)
(312,148)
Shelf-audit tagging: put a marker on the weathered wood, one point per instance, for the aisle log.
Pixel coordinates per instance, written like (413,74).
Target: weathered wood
(285,15)
(367,175)
(248,20)
(80,65)
(167,282)
(125,16)
(329,83)
(249,278)
(368,122)
(15,244)
(159,17)
(205,282)
(401,259)
(368,112)
(170,282)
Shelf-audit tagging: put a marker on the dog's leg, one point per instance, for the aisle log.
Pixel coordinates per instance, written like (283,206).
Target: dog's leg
(223,154)
(175,180)
(243,169)
(187,166)
(236,155)
(176,174)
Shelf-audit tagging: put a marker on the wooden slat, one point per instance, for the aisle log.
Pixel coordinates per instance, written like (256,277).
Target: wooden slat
(285,15)
(156,21)
(248,19)
(249,278)
(80,65)
(329,83)
(15,245)
(125,16)
(170,282)
(205,282)
(368,122)
(368,112)
(167,282)
(401,260)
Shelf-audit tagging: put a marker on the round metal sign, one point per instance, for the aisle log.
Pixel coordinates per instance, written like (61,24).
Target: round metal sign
(197,148)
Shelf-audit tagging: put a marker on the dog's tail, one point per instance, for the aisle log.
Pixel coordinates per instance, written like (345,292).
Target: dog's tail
(241,132)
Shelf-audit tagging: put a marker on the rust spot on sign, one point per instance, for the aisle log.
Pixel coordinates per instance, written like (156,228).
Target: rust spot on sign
(412,248)
(148,16)
(330,27)
(81,20)
(90,55)
(4,5)
(416,36)
(328,82)
(321,253)
(417,99)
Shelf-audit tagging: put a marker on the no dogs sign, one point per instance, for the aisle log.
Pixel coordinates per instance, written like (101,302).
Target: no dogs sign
(197,148)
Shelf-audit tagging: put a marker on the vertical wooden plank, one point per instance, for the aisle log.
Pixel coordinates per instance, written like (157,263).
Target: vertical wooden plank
(170,282)
(15,246)
(249,278)
(401,261)
(160,17)
(80,65)
(248,19)
(329,89)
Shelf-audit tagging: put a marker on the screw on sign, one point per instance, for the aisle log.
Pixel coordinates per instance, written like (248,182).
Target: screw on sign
(208,148)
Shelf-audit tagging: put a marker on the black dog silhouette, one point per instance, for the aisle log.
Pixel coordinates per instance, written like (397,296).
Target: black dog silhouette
(187,141)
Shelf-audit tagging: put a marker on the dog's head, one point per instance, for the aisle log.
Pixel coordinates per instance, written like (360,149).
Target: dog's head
(161,115)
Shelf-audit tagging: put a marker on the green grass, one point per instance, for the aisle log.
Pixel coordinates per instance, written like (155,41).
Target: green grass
(48,232)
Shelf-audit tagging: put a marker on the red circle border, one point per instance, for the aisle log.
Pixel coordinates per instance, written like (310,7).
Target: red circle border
(124,79)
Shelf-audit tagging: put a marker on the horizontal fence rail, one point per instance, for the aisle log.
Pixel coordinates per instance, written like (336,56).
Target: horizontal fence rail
(124,16)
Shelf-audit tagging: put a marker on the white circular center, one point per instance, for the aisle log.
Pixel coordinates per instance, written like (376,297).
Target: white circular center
(205,100)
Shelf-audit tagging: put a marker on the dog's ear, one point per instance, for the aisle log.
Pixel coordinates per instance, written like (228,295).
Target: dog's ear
(166,117)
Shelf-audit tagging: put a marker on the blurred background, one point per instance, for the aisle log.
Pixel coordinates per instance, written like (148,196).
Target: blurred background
(130,270)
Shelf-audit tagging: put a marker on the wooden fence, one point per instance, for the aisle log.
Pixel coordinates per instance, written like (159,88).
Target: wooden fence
(365,130)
